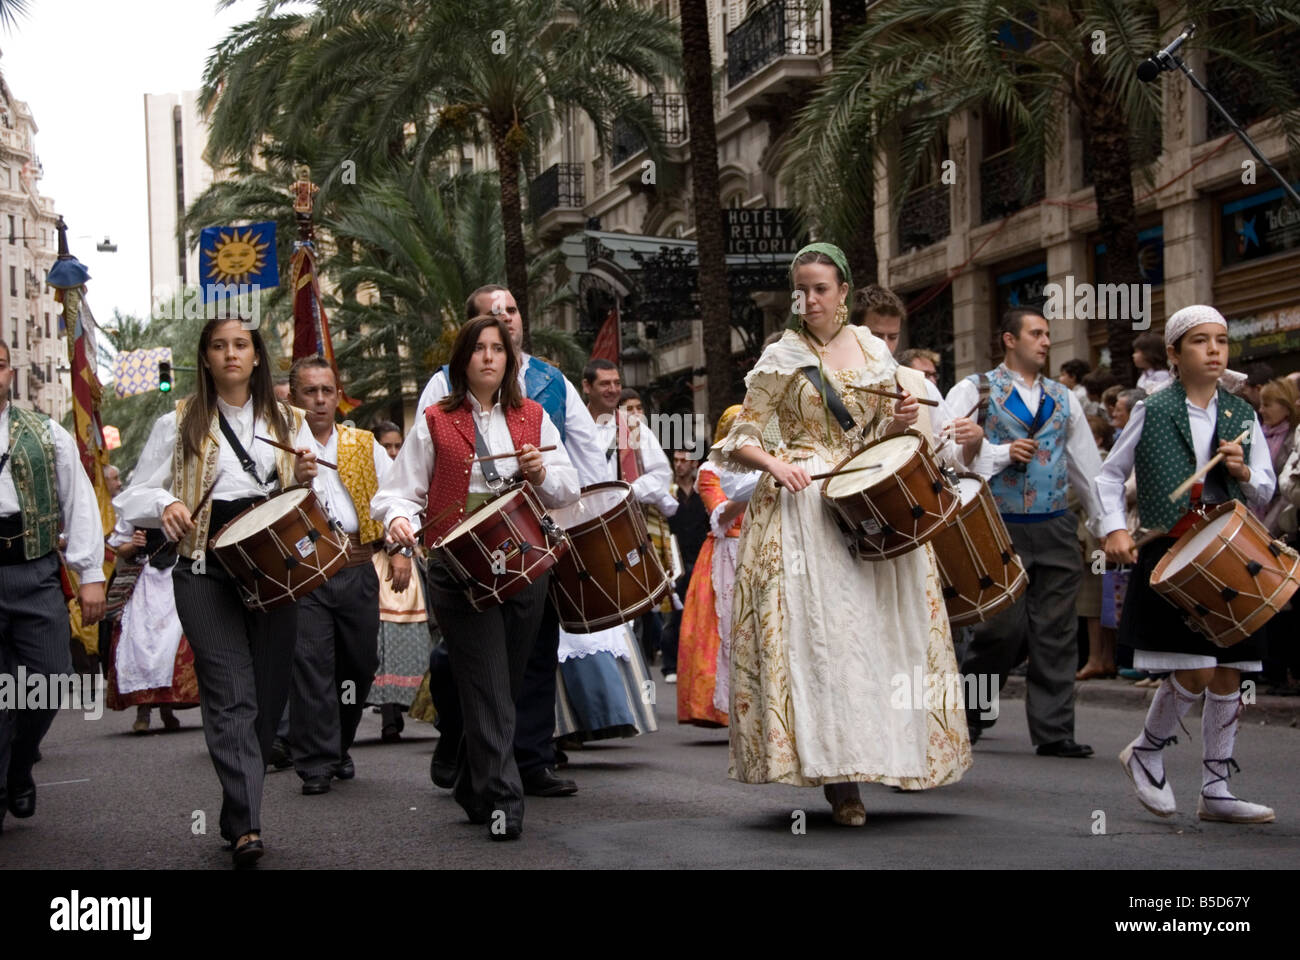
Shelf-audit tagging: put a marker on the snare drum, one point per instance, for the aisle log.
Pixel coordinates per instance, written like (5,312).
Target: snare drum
(503,546)
(1227,574)
(896,506)
(281,549)
(611,574)
(978,565)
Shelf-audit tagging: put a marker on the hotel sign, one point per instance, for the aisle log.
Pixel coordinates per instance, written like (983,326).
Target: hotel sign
(764,230)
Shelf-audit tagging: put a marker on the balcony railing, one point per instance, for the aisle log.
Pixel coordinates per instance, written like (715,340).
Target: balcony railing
(1002,186)
(558,186)
(669,110)
(924,217)
(779,29)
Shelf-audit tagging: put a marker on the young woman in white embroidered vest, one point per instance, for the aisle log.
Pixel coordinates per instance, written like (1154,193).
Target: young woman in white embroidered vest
(433,474)
(242,657)
(1170,435)
(821,640)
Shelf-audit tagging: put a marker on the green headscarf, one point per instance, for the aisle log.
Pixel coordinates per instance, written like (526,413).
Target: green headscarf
(796,320)
(841,261)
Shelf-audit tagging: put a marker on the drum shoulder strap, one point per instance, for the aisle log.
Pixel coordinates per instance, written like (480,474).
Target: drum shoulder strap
(833,400)
(984,390)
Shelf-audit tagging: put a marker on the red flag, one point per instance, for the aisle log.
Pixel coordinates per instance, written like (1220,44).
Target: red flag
(606,345)
(311,328)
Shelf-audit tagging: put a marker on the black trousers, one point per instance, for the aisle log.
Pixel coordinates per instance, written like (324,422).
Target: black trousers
(34,633)
(488,654)
(334,665)
(243,660)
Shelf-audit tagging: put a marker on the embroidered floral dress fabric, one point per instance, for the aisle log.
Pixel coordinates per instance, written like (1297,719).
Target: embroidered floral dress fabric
(826,649)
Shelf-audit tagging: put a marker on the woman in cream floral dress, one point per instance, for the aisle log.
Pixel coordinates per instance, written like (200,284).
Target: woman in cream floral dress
(826,649)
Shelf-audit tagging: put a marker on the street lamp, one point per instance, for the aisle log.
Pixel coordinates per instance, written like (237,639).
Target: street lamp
(636,366)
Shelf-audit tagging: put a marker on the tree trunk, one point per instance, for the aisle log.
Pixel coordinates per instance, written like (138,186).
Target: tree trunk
(847,17)
(715,300)
(512,223)
(1107,133)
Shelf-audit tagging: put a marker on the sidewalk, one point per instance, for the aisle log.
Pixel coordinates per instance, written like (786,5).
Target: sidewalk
(1283,711)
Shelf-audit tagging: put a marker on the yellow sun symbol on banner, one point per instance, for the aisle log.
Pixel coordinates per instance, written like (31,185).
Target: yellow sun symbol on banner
(236,256)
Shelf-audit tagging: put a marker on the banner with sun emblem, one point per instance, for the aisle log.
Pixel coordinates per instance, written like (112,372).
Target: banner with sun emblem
(231,258)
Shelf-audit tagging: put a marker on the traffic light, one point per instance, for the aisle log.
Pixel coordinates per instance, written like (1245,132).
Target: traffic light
(164,376)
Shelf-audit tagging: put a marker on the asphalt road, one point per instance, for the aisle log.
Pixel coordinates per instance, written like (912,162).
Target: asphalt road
(109,799)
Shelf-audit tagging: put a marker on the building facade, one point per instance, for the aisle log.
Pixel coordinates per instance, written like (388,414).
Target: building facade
(960,248)
(176,136)
(29,317)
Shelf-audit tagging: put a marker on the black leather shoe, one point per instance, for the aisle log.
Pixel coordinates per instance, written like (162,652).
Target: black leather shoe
(280,758)
(442,768)
(22,801)
(1065,748)
(345,769)
(513,830)
(313,786)
(544,783)
(248,853)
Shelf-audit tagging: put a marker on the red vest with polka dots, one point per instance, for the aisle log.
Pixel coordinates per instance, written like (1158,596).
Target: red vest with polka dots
(453,449)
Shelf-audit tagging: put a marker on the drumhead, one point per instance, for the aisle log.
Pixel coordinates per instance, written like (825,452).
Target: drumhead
(482,515)
(261,516)
(591,503)
(891,454)
(1184,553)
(969,488)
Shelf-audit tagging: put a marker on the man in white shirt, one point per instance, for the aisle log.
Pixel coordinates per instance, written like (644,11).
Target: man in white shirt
(44,491)
(535,708)
(337,652)
(1037,440)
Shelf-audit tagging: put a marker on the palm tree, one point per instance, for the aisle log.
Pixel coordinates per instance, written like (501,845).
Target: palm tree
(385,78)
(11,11)
(928,59)
(715,301)
(847,17)
(410,253)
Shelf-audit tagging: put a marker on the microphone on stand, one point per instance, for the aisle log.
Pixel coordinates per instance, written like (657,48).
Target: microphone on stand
(1151,67)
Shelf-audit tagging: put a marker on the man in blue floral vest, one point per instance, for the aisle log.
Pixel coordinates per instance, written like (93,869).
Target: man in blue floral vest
(1037,440)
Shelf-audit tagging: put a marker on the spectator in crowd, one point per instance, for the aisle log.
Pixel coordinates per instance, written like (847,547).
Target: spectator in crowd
(1072,374)
(927,361)
(1101,641)
(1124,404)
(1257,374)
(1149,357)
(1095,384)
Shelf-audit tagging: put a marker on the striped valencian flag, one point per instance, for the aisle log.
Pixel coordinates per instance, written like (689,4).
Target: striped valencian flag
(311,328)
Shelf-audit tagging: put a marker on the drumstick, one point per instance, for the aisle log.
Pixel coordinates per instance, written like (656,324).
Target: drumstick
(513,453)
(1214,462)
(392,548)
(894,396)
(288,449)
(833,473)
(197,507)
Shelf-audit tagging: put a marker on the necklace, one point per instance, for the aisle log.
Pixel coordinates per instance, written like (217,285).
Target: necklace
(823,347)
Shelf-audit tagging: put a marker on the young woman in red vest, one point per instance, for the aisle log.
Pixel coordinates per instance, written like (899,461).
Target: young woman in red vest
(488,650)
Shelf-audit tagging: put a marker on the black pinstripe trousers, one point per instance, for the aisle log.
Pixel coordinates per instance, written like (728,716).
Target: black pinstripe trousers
(242,660)
(33,634)
(489,654)
(338,645)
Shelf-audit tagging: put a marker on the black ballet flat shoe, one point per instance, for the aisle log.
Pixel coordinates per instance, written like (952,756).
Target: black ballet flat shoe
(247,854)
(345,769)
(22,801)
(314,786)
(280,759)
(442,768)
(1065,748)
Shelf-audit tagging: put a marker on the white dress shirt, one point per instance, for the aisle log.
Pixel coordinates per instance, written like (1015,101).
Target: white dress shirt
(1082,460)
(1110,479)
(156,449)
(328,485)
(77,504)
(405,490)
(652,486)
(143,503)
(585,452)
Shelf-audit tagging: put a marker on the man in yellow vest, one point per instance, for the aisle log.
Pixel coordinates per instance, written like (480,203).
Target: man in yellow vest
(44,491)
(338,623)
